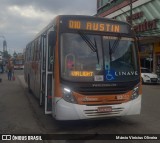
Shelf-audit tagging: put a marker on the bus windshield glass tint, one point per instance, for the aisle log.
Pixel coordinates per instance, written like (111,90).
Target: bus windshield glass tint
(96,58)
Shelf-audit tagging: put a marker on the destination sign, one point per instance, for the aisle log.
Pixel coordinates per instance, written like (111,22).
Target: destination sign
(98,26)
(82,73)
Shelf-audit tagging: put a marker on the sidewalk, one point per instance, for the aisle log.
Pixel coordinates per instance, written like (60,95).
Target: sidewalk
(4,78)
(16,115)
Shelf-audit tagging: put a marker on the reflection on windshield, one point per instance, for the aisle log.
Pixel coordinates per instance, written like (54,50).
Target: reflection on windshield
(89,42)
(78,58)
(123,53)
(87,58)
(120,60)
(18,62)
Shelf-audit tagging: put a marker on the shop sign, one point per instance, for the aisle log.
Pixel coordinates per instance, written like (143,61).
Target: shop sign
(145,25)
(134,16)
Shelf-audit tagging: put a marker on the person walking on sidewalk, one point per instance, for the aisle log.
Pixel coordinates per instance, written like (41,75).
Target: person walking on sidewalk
(10,69)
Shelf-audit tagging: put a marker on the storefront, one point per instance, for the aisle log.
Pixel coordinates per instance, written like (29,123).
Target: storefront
(145,21)
(157,58)
(146,56)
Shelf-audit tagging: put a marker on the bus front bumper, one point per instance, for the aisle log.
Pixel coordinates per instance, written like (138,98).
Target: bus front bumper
(68,111)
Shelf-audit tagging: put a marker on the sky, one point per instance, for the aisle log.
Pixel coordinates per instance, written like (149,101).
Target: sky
(21,20)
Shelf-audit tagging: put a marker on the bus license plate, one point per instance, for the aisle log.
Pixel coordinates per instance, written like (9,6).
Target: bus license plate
(105,109)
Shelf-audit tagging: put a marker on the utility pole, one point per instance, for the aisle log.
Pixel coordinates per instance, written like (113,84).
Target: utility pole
(131,12)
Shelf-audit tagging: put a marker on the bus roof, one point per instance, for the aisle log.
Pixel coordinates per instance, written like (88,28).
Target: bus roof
(79,17)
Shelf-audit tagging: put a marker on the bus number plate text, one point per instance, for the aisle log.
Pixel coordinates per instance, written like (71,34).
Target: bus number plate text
(104,109)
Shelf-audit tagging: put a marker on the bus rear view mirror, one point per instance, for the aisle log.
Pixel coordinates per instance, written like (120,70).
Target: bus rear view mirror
(52,38)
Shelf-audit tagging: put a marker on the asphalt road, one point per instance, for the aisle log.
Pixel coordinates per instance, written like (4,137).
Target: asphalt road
(20,113)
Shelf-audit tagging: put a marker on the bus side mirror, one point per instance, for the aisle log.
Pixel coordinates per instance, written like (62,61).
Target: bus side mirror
(52,38)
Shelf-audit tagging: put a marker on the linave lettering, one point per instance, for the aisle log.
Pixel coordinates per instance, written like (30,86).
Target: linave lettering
(131,73)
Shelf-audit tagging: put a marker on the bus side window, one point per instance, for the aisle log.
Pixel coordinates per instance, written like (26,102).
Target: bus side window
(51,46)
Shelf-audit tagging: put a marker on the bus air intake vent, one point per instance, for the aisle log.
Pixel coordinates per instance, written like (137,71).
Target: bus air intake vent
(96,113)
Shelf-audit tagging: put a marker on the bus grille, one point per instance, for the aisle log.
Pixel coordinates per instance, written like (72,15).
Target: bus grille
(95,113)
(102,91)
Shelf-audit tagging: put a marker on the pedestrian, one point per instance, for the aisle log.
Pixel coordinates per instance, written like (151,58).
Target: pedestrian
(10,69)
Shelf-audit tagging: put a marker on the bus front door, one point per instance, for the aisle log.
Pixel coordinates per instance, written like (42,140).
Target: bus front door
(43,69)
(47,80)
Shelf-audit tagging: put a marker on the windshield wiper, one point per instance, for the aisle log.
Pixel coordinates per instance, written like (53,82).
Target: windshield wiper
(115,44)
(91,45)
(114,47)
(110,51)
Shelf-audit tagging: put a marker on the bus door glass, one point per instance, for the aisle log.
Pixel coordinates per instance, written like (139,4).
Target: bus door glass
(43,68)
(49,72)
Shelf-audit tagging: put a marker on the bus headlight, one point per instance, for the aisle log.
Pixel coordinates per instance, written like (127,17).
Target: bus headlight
(135,93)
(67,95)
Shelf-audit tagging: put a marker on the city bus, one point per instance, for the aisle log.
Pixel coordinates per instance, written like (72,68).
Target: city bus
(18,63)
(85,67)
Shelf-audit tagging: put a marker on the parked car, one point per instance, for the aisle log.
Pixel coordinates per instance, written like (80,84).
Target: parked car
(148,76)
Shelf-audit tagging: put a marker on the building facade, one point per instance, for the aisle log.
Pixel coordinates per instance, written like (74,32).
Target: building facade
(145,19)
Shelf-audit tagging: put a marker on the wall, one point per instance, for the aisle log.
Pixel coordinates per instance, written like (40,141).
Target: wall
(145,20)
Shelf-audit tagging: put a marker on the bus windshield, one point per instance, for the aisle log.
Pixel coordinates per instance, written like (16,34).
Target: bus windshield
(18,62)
(98,58)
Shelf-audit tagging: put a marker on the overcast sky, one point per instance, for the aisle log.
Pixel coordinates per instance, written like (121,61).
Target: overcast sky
(21,20)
